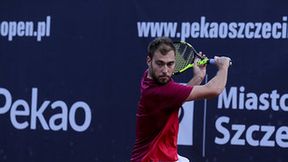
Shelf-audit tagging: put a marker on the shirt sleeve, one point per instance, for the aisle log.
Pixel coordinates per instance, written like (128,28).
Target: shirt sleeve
(175,94)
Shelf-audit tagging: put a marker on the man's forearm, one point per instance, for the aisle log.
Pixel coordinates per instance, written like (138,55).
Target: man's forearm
(218,82)
(196,80)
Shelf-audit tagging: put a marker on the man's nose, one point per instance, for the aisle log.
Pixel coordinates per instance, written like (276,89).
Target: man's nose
(165,69)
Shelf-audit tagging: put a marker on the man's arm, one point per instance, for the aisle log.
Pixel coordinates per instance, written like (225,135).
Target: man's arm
(199,72)
(196,80)
(216,85)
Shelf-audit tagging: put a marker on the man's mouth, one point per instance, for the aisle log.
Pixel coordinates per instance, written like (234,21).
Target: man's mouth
(164,76)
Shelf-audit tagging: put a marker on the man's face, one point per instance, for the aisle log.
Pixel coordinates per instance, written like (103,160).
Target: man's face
(161,67)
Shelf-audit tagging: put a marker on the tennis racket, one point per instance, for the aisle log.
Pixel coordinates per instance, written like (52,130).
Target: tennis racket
(185,55)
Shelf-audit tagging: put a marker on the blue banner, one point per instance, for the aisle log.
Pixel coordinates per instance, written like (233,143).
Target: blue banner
(70,74)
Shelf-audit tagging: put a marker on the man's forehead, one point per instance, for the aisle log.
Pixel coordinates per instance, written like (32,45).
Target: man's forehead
(169,56)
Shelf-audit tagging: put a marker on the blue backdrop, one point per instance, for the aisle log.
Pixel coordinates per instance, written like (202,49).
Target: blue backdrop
(70,73)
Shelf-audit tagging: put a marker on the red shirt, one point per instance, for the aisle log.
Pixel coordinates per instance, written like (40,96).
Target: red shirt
(157,120)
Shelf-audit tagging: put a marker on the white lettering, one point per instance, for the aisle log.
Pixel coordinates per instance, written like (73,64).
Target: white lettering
(58,121)
(265,140)
(237,98)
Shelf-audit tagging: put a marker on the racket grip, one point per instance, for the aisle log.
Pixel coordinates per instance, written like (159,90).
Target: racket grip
(212,61)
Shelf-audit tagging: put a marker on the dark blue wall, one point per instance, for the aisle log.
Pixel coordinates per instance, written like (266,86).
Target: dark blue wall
(93,53)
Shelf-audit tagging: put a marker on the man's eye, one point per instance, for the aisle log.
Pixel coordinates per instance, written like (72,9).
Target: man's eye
(170,64)
(160,63)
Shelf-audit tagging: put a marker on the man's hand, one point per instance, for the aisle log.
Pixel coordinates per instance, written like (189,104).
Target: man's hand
(222,62)
(199,70)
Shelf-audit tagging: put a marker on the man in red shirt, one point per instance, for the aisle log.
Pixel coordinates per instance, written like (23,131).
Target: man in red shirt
(157,114)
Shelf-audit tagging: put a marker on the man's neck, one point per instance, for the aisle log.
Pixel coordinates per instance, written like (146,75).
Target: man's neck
(149,74)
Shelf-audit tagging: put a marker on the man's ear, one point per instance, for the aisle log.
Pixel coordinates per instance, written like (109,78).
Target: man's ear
(148,60)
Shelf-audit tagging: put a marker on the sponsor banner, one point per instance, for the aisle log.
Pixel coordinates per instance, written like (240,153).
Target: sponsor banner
(262,129)
(34,113)
(240,120)
(70,73)
(13,29)
(206,28)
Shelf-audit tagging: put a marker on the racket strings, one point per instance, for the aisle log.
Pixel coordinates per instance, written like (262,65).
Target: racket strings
(184,56)
(180,61)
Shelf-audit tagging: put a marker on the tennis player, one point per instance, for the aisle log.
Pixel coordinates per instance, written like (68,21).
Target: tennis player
(157,114)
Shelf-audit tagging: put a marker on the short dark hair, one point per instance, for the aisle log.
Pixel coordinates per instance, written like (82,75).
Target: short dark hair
(163,44)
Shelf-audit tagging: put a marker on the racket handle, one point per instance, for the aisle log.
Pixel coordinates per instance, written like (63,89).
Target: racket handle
(212,61)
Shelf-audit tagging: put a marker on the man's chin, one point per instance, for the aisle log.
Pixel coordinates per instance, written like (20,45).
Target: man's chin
(163,80)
